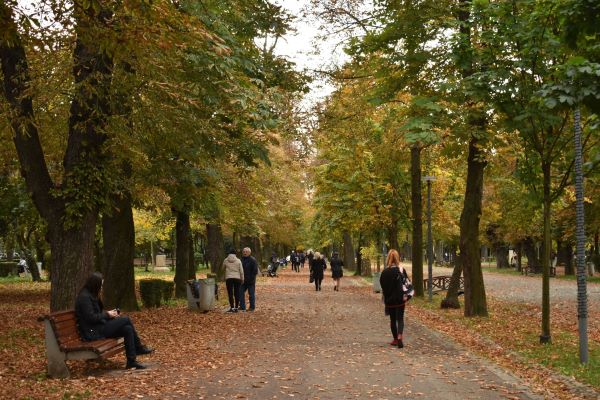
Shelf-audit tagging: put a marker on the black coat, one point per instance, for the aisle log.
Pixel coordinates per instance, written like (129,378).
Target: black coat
(391,285)
(318,267)
(337,270)
(90,314)
(250,270)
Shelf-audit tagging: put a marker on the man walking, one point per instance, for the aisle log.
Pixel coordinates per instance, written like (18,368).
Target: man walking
(250,271)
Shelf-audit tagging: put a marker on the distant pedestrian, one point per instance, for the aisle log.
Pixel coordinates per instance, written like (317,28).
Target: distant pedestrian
(234,276)
(250,267)
(294,261)
(337,270)
(302,258)
(309,257)
(317,268)
(393,282)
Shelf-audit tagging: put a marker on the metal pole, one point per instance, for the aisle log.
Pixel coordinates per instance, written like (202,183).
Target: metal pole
(580,234)
(429,244)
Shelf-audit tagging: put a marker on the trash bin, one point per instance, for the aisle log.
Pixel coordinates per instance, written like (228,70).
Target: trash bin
(201,294)
(376,284)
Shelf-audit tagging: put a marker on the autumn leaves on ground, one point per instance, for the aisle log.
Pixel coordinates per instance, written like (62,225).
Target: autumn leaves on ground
(302,344)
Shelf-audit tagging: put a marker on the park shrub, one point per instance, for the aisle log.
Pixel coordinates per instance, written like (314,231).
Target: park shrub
(155,292)
(8,267)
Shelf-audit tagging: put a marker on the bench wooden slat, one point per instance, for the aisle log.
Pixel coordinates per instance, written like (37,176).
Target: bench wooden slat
(109,353)
(62,338)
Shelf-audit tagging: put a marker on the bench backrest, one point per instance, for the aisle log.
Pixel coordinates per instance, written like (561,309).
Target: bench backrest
(64,324)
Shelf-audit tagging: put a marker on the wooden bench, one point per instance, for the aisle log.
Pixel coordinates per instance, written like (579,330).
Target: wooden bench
(64,343)
(440,283)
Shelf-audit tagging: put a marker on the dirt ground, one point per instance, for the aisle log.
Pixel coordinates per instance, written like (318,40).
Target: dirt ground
(299,343)
(334,345)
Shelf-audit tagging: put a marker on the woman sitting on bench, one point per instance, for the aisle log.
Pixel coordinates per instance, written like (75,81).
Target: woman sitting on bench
(95,323)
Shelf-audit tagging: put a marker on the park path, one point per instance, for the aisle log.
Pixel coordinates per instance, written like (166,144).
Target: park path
(334,345)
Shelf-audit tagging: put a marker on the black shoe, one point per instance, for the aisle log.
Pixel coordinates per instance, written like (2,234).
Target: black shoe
(400,344)
(134,365)
(144,350)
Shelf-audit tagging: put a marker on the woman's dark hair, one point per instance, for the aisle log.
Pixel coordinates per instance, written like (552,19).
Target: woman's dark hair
(231,251)
(94,283)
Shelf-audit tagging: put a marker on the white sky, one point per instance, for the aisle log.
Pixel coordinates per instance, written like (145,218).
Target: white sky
(308,55)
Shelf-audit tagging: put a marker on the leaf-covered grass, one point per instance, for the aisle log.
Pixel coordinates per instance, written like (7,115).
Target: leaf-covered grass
(505,271)
(515,329)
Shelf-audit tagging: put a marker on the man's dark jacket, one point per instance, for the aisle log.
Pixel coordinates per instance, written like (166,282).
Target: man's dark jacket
(90,315)
(250,270)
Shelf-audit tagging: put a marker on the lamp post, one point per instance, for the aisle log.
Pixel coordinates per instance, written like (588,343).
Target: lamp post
(580,234)
(429,179)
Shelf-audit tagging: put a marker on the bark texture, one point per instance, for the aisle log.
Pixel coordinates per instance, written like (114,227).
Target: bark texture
(475,299)
(349,262)
(417,219)
(182,252)
(215,249)
(118,235)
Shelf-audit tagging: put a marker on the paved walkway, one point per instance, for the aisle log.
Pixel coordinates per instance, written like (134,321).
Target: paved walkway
(334,345)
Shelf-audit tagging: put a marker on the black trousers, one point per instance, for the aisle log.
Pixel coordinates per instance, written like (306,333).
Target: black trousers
(396,321)
(123,327)
(318,280)
(233,291)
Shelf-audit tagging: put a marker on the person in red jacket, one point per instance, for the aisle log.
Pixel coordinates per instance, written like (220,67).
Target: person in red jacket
(393,282)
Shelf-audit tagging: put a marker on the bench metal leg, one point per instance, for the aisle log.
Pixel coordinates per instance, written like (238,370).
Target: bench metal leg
(57,367)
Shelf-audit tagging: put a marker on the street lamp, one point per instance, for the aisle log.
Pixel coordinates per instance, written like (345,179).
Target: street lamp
(429,179)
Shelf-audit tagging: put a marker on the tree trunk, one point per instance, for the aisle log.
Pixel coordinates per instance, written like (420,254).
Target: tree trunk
(565,256)
(348,252)
(72,261)
(501,253)
(118,235)
(533,262)
(191,259)
(216,250)
(545,336)
(475,299)
(32,265)
(417,219)
(393,234)
(519,251)
(451,300)
(182,252)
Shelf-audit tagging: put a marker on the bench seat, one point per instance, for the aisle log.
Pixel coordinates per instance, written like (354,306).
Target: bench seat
(63,343)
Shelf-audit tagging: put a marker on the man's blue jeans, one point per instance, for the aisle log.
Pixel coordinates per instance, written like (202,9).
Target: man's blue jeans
(250,287)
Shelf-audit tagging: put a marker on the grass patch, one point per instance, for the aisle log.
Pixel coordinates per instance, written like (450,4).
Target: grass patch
(19,339)
(503,271)
(515,327)
(563,356)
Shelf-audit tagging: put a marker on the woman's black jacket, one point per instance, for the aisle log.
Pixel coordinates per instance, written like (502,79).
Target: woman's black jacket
(90,315)
(391,285)
(317,267)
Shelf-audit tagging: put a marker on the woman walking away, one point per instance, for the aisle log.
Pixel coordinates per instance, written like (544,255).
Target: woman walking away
(318,267)
(234,276)
(95,323)
(393,282)
(337,270)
